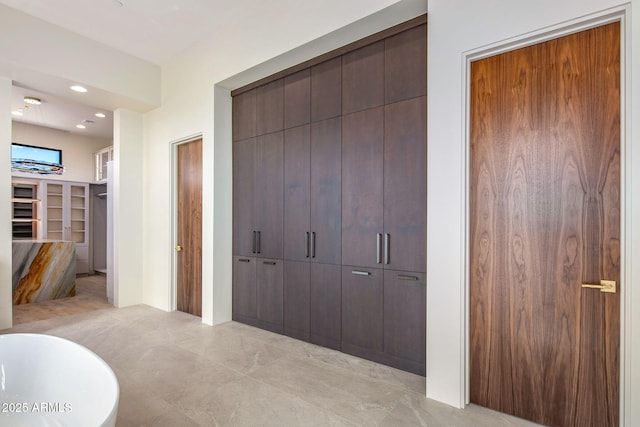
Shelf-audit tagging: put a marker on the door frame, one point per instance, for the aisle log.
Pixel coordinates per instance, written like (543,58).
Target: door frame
(621,14)
(173,292)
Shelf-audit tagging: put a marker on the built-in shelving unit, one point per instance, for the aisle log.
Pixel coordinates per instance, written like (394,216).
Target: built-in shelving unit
(24,203)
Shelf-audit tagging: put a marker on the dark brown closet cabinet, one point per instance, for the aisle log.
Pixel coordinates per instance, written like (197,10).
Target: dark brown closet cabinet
(330,200)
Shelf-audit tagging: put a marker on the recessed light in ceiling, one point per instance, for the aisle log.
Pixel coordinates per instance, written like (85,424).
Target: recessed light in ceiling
(17,112)
(32,100)
(81,126)
(78,88)
(101,115)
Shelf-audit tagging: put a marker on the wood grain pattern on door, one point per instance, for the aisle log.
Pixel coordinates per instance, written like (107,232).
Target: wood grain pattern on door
(545,218)
(189,228)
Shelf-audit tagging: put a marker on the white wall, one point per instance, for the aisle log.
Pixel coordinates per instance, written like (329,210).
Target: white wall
(188,99)
(456,27)
(6,290)
(77,150)
(128,221)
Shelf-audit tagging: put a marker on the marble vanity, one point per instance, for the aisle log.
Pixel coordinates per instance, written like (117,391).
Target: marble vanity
(43,270)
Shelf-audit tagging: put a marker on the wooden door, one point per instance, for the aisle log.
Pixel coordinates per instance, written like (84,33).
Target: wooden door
(325,305)
(405,297)
(362,311)
(325,190)
(244,288)
(297,197)
(268,195)
(545,218)
(189,228)
(269,292)
(362,188)
(405,185)
(243,197)
(296,299)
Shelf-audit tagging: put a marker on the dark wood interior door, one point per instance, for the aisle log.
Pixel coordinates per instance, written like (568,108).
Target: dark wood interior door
(189,228)
(269,194)
(544,219)
(362,186)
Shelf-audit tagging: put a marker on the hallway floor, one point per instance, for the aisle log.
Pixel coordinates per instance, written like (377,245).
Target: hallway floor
(175,371)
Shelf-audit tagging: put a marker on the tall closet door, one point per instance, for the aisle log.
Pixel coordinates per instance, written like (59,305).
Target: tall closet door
(243,197)
(268,195)
(297,197)
(362,187)
(325,190)
(405,184)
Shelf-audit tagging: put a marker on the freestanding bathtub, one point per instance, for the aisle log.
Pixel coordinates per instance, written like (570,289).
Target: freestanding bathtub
(51,381)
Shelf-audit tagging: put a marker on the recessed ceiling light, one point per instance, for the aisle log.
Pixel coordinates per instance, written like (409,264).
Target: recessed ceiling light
(17,112)
(32,101)
(81,126)
(78,88)
(101,115)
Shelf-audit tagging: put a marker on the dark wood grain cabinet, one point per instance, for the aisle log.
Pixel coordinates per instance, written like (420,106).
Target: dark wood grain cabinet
(244,289)
(329,201)
(258,292)
(362,311)
(312,302)
(405,320)
(258,196)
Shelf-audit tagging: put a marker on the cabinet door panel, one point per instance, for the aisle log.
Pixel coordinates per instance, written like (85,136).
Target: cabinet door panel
(326,193)
(296,299)
(269,292)
(363,78)
(405,58)
(244,115)
(269,198)
(297,202)
(362,310)
(405,190)
(362,209)
(326,90)
(243,196)
(244,288)
(325,310)
(297,99)
(404,319)
(270,107)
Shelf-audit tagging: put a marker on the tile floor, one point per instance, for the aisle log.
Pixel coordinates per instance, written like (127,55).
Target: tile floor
(175,371)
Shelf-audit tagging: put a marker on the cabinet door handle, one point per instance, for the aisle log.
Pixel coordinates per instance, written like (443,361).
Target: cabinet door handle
(313,244)
(253,243)
(378,248)
(244,260)
(258,242)
(386,248)
(269,262)
(306,244)
(403,277)
(360,273)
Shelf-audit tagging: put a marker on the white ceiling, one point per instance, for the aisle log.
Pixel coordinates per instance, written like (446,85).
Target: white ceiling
(153,30)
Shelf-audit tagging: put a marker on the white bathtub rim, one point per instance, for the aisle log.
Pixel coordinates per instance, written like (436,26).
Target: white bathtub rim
(110,419)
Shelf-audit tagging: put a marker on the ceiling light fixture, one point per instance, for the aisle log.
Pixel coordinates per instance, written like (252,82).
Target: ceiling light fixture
(81,126)
(101,115)
(78,88)
(32,100)
(17,112)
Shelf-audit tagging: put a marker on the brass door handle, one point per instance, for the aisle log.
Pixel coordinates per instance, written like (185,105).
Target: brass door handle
(178,248)
(604,286)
